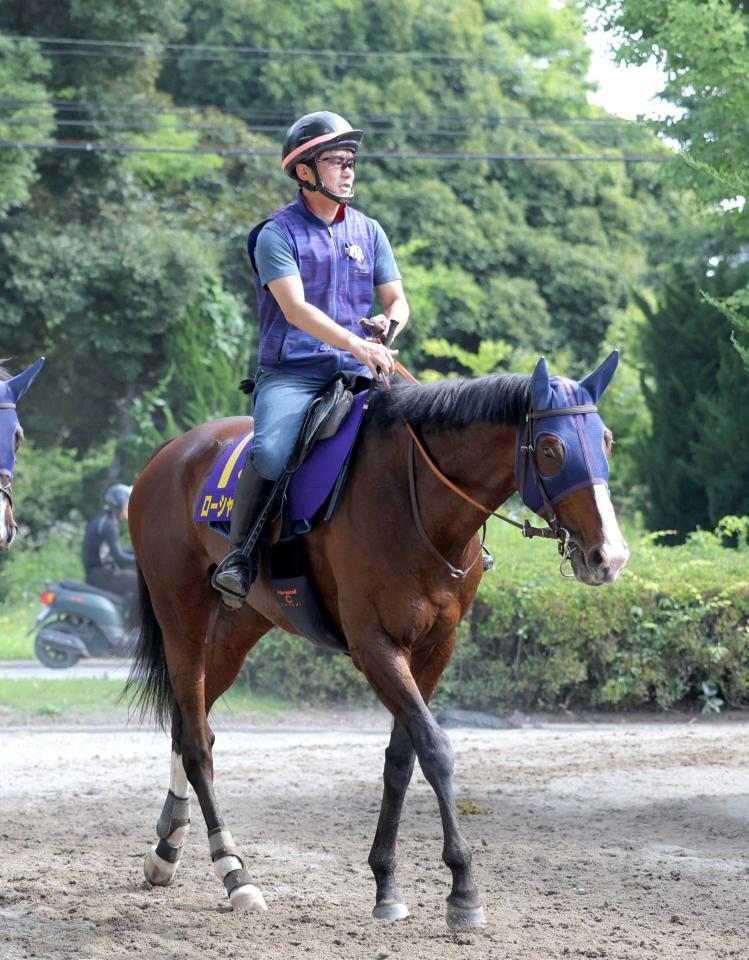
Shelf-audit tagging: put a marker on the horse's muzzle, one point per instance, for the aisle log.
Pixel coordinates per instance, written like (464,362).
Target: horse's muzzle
(8,526)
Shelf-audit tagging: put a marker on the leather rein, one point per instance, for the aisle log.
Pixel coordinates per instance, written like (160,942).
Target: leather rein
(554,531)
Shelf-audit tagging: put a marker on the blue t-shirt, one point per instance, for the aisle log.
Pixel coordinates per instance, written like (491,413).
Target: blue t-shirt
(274,257)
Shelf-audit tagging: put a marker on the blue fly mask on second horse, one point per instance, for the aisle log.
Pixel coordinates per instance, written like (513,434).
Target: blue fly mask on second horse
(578,428)
(11,392)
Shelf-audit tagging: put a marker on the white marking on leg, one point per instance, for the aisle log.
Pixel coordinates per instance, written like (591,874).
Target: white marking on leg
(614,545)
(4,535)
(178,777)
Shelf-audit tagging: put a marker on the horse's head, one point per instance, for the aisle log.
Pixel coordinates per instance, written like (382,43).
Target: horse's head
(563,469)
(11,434)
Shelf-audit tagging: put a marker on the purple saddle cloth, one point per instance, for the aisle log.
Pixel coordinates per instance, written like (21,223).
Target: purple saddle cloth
(309,487)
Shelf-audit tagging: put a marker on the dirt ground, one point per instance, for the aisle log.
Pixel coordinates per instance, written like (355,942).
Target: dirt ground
(621,841)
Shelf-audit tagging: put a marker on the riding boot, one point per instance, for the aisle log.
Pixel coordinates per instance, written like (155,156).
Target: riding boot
(249,499)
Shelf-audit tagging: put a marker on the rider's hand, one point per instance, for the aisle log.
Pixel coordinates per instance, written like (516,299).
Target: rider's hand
(374,355)
(377,326)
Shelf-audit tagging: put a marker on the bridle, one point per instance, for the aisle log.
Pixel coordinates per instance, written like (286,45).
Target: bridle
(554,531)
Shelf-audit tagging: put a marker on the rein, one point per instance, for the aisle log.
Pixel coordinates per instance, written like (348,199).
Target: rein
(554,531)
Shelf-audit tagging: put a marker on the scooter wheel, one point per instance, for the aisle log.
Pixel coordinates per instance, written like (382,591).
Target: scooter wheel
(50,657)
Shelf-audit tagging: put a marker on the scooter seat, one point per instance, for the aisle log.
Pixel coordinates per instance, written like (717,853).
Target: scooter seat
(80,586)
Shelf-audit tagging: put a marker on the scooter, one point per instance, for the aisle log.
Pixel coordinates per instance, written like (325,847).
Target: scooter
(78,620)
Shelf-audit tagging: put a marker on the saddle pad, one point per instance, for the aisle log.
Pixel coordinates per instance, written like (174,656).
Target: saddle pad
(310,486)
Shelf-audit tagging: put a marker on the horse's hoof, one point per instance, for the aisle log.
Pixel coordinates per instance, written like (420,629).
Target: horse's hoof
(247,898)
(158,872)
(389,910)
(460,918)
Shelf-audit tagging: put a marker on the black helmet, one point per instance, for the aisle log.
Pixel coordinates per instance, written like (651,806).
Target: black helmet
(309,136)
(117,496)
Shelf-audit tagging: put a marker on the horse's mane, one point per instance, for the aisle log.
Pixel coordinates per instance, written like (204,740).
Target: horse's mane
(500,398)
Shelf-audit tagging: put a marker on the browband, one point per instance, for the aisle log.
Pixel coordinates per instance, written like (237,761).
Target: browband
(561,411)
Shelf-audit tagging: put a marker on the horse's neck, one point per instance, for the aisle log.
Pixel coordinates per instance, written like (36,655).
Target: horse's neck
(480,460)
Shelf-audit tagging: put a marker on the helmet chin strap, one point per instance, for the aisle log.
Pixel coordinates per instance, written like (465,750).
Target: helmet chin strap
(319,186)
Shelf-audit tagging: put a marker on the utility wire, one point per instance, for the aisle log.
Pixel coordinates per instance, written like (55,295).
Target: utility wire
(239,126)
(282,53)
(286,117)
(230,150)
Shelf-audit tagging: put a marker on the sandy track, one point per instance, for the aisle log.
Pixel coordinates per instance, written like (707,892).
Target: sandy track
(621,842)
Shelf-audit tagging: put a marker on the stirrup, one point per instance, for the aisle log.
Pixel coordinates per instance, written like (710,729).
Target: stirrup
(232,599)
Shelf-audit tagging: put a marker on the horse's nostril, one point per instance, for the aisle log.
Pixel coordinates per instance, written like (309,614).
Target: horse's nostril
(596,557)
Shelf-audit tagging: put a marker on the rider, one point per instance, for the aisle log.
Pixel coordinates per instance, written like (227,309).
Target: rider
(317,264)
(103,554)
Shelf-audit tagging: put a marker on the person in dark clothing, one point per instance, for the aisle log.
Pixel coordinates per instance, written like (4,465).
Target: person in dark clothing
(104,557)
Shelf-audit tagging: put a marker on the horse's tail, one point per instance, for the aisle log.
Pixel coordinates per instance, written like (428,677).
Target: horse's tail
(148,687)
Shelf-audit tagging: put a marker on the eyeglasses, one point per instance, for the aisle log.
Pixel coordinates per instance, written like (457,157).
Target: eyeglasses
(340,163)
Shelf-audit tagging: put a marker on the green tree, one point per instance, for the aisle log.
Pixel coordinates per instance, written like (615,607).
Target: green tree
(703,49)
(25,116)
(696,389)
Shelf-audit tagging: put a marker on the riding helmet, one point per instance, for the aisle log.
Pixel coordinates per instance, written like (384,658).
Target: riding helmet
(117,496)
(313,133)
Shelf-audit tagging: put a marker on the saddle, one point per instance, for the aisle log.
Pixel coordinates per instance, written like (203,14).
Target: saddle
(326,413)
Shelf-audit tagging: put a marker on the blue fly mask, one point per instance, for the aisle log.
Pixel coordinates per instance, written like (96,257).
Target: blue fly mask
(11,392)
(567,411)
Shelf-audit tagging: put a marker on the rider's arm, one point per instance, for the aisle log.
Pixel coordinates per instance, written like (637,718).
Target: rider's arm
(393,299)
(289,294)
(387,280)
(121,556)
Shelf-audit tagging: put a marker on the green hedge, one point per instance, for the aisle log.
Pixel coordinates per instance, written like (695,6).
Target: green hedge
(674,629)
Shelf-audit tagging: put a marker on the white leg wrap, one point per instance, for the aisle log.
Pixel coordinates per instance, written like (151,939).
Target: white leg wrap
(158,872)
(242,897)
(226,865)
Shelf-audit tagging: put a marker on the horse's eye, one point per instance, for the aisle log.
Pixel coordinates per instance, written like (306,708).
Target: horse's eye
(550,455)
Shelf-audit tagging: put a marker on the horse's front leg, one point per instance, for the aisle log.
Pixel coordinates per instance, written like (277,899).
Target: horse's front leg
(399,765)
(388,671)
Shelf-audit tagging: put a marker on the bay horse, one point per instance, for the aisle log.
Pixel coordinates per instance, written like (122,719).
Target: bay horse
(11,435)
(396,569)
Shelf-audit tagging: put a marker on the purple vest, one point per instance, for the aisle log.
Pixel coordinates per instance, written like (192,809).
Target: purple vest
(340,285)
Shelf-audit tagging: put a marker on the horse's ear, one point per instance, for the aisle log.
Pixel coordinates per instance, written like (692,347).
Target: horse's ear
(595,383)
(540,386)
(19,384)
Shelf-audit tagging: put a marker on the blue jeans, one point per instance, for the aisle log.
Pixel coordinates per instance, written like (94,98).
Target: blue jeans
(280,403)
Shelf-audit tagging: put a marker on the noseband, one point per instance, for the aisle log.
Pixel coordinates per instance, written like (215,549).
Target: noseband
(555,531)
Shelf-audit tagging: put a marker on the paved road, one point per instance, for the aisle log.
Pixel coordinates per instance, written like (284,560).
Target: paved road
(33,670)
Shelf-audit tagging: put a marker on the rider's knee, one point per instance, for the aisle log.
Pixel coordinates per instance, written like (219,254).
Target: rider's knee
(268,463)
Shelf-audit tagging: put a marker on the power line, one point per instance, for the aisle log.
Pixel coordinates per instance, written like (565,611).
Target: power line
(238,125)
(262,51)
(286,117)
(230,150)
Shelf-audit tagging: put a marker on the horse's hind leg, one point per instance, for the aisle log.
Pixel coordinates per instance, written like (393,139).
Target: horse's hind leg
(399,765)
(173,825)
(199,673)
